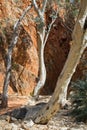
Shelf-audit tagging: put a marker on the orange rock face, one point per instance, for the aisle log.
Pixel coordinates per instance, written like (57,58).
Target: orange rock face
(25,57)
(25,62)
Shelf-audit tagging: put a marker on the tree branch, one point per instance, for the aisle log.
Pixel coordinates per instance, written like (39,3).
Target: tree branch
(37,8)
(49,28)
(44,6)
(22,16)
(40,14)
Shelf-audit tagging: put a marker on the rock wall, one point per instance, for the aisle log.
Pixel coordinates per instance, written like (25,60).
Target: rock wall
(56,52)
(25,55)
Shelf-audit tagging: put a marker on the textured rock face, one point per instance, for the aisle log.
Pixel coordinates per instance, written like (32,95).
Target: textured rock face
(25,57)
(56,52)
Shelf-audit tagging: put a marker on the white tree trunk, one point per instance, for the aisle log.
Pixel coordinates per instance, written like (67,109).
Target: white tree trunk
(79,43)
(41,35)
(42,39)
(42,69)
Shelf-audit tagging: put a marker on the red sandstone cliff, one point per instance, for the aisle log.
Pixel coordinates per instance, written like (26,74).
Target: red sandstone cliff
(25,55)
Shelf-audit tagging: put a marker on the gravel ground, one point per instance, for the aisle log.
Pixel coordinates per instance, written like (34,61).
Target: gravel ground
(61,121)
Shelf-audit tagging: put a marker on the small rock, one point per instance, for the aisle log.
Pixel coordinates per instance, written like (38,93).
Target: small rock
(27,124)
(8,118)
(31,102)
(13,119)
(20,129)
(14,127)
(63,128)
(8,127)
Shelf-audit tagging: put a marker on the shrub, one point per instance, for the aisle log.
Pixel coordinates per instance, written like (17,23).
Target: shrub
(79,100)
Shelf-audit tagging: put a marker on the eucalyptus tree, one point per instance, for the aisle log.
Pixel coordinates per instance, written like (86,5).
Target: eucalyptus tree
(43,34)
(43,31)
(78,45)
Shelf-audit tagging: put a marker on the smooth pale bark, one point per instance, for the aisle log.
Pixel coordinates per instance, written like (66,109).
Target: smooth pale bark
(42,68)
(79,43)
(42,39)
(41,35)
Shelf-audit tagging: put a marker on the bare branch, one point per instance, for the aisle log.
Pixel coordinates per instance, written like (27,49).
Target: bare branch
(40,14)
(37,8)
(67,27)
(49,28)
(44,6)
(22,16)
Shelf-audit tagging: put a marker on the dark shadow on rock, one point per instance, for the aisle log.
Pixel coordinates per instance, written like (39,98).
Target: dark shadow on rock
(32,110)
(25,113)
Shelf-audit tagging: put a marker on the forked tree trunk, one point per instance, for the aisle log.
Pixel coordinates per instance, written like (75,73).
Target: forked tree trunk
(42,39)
(79,43)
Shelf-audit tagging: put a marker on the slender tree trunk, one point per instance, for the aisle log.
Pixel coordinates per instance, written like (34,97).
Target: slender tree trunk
(16,32)
(8,69)
(42,68)
(79,43)
(41,36)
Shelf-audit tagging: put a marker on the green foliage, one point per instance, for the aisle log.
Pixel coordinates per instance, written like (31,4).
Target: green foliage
(79,100)
(73,8)
(53,15)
